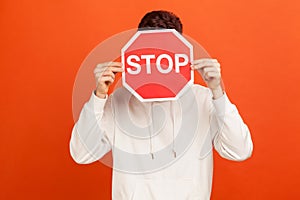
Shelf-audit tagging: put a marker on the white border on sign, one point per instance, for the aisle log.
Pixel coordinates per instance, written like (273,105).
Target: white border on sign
(132,39)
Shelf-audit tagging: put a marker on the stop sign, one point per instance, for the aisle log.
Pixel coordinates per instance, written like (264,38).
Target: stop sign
(157,65)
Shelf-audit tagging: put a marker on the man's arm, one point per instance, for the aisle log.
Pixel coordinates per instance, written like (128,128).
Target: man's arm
(92,134)
(231,136)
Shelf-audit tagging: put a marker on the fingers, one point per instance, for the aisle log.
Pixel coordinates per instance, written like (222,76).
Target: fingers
(116,65)
(211,75)
(107,64)
(107,77)
(210,69)
(207,69)
(107,69)
(206,65)
(108,80)
(204,62)
(108,73)
(211,72)
(201,60)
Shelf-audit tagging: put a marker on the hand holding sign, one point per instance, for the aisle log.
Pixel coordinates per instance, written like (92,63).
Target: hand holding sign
(105,75)
(210,70)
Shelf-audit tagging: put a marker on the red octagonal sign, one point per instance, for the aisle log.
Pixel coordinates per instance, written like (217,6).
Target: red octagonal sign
(157,65)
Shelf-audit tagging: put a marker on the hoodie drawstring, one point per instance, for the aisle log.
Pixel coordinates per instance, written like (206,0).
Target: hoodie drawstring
(173,131)
(151,131)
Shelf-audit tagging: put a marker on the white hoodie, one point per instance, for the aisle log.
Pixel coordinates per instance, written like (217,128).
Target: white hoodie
(161,150)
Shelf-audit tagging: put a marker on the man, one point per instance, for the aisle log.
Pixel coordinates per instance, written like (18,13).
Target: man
(160,166)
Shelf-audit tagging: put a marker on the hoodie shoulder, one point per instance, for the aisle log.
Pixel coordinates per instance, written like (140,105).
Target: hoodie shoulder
(201,91)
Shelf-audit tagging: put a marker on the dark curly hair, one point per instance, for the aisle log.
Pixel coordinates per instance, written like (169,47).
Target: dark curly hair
(160,19)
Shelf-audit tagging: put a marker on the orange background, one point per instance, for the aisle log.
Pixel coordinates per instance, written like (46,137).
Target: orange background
(43,44)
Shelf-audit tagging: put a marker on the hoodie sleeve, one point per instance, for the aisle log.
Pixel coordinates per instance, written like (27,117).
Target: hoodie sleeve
(231,136)
(90,139)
